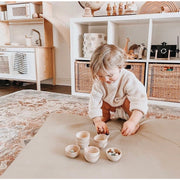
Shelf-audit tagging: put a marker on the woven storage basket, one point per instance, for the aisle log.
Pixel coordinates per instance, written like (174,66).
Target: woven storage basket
(4,65)
(83,79)
(164,82)
(138,69)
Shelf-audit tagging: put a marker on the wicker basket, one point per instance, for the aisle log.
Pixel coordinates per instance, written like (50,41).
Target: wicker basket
(138,69)
(164,82)
(83,79)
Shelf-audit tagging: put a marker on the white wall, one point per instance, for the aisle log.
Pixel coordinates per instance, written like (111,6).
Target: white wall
(63,11)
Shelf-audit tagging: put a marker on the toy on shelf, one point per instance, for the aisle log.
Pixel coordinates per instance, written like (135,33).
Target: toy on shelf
(130,8)
(164,9)
(135,51)
(93,5)
(108,9)
(120,10)
(142,48)
(87,12)
(114,10)
(130,54)
(151,7)
(163,51)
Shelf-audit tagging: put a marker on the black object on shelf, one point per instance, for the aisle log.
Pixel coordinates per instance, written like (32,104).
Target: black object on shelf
(163,50)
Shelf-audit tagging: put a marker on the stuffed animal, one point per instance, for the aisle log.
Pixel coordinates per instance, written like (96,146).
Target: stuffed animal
(135,51)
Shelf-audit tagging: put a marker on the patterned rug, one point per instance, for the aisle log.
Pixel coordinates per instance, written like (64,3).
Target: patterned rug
(22,114)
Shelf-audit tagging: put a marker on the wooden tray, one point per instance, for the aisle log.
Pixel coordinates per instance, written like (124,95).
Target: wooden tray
(151,7)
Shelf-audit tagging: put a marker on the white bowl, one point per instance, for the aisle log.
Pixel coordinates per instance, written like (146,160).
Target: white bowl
(90,159)
(72,151)
(82,145)
(92,151)
(83,136)
(101,145)
(113,154)
(83,142)
(101,140)
(91,154)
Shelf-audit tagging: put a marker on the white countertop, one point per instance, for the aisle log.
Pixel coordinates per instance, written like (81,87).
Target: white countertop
(18,48)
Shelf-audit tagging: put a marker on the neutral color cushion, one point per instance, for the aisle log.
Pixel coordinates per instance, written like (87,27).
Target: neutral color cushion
(153,152)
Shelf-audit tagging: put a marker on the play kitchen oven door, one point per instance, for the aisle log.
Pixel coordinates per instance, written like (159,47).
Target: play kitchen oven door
(22,11)
(5,63)
(18,63)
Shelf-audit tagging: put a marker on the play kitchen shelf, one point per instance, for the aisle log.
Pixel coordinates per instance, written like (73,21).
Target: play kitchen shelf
(37,20)
(28,37)
(149,29)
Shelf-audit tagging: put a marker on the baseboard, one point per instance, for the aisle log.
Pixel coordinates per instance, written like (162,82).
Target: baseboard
(59,81)
(164,103)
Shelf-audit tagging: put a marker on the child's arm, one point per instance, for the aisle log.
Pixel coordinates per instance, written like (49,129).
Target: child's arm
(132,125)
(100,125)
(136,94)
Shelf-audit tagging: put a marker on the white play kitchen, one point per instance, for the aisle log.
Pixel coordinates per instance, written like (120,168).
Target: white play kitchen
(26,42)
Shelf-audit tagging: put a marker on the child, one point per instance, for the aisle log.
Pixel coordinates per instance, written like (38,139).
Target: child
(115,89)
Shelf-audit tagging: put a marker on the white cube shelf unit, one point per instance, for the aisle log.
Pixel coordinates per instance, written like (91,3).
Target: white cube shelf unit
(150,29)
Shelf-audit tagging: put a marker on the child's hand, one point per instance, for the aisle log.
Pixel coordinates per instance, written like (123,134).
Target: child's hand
(101,126)
(129,128)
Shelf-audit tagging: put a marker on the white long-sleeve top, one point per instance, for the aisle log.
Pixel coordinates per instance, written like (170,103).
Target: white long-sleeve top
(126,86)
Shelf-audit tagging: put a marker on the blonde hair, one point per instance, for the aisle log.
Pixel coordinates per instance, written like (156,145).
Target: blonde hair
(107,57)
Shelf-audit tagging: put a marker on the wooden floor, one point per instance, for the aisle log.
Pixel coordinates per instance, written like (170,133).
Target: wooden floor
(7,87)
